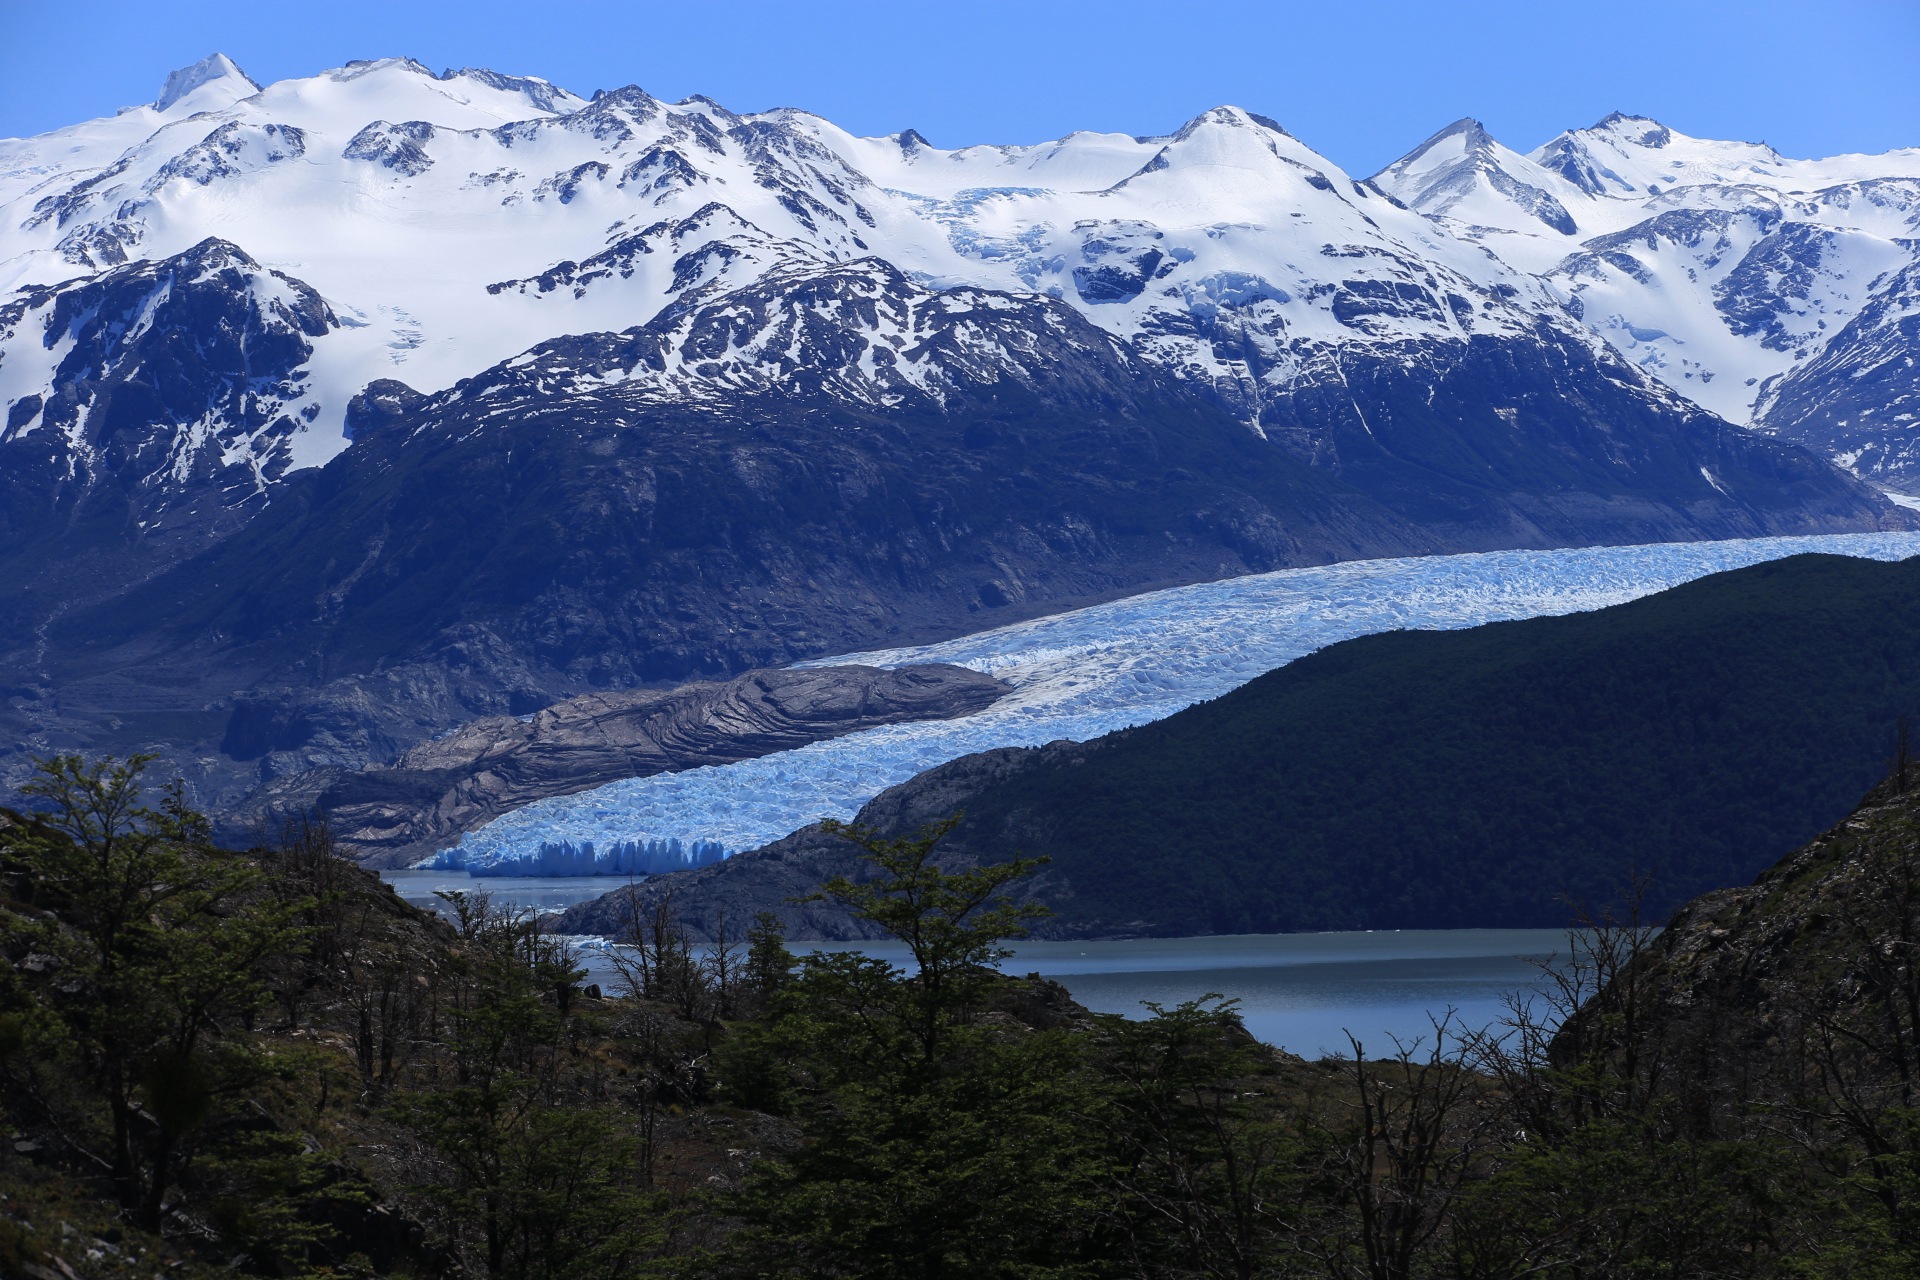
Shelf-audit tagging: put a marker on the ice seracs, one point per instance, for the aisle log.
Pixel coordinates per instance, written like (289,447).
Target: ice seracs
(565,858)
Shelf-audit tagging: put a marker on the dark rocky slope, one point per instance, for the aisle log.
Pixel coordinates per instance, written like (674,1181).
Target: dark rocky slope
(171,406)
(1860,395)
(394,815)
(1802,987)
(1433,779)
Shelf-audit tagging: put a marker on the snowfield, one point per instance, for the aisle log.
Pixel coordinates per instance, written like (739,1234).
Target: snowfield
(1082,674)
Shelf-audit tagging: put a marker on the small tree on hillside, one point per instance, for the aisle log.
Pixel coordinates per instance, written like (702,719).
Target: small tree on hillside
(955,923)
(941,1144)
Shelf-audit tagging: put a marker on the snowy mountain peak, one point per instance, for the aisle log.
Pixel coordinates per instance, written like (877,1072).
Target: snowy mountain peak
(1230,138)
(1643,131)
(1464,139)
(214,82)
(1228,117)
(1626,155)
(357,67)
(488,213)
(1472,135)
(191,369)
(1462,173)
(398,88)
(701,102)
(859,333)
(1569,158)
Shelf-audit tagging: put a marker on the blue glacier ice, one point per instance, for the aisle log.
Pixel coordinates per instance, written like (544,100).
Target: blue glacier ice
(565,858)
(1081,674)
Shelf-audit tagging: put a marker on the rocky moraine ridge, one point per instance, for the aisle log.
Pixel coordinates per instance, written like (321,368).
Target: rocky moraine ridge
(394,815)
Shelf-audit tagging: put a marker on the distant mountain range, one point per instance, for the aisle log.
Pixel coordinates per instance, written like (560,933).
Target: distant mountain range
(346,410)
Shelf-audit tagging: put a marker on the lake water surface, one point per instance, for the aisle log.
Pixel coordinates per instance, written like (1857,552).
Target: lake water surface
(1301,991)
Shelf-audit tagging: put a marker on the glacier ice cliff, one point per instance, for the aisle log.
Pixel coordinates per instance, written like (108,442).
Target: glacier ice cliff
(565,858)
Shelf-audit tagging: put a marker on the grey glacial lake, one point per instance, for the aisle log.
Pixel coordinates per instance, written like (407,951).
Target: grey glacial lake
(1301,991)
(541,893)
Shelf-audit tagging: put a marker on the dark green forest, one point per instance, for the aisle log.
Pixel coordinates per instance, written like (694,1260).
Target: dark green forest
(266,1064)
(1487,777)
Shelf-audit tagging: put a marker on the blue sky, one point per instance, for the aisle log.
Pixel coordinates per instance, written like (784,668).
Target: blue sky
(1362,81)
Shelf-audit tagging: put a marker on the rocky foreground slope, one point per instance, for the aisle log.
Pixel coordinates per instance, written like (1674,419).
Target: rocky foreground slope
(1802,987)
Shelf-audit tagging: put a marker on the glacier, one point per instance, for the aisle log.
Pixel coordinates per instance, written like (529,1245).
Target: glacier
(1090,671)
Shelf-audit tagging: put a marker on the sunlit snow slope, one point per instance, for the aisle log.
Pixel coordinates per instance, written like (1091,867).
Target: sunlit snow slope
(1081,674)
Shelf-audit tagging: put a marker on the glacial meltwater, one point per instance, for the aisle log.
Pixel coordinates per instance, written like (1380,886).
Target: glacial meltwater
(1301,991)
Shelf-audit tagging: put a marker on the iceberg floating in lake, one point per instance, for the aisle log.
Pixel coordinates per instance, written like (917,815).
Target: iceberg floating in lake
(1078,675)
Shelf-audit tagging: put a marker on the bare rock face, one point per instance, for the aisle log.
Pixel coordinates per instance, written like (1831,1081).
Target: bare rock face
(393,815)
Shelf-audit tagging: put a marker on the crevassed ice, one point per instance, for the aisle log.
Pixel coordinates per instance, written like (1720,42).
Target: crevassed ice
(1081,674)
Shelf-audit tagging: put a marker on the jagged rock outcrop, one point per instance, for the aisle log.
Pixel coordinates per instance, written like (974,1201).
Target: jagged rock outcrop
(393,815)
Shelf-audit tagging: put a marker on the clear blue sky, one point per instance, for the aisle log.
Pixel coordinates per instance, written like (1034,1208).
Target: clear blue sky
(1361,81)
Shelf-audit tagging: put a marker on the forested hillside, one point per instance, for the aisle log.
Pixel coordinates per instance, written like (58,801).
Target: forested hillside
(1482,777)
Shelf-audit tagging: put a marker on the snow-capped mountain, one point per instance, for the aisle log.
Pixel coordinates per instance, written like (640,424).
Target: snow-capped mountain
(512,393)
(1724,269)
(1462,174)
(450,221)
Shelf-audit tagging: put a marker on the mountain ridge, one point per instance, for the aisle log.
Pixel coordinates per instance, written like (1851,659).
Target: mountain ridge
(1725,270)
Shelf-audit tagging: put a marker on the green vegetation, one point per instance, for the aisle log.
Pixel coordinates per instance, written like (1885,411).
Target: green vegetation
(1484,777)
(266,1064)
